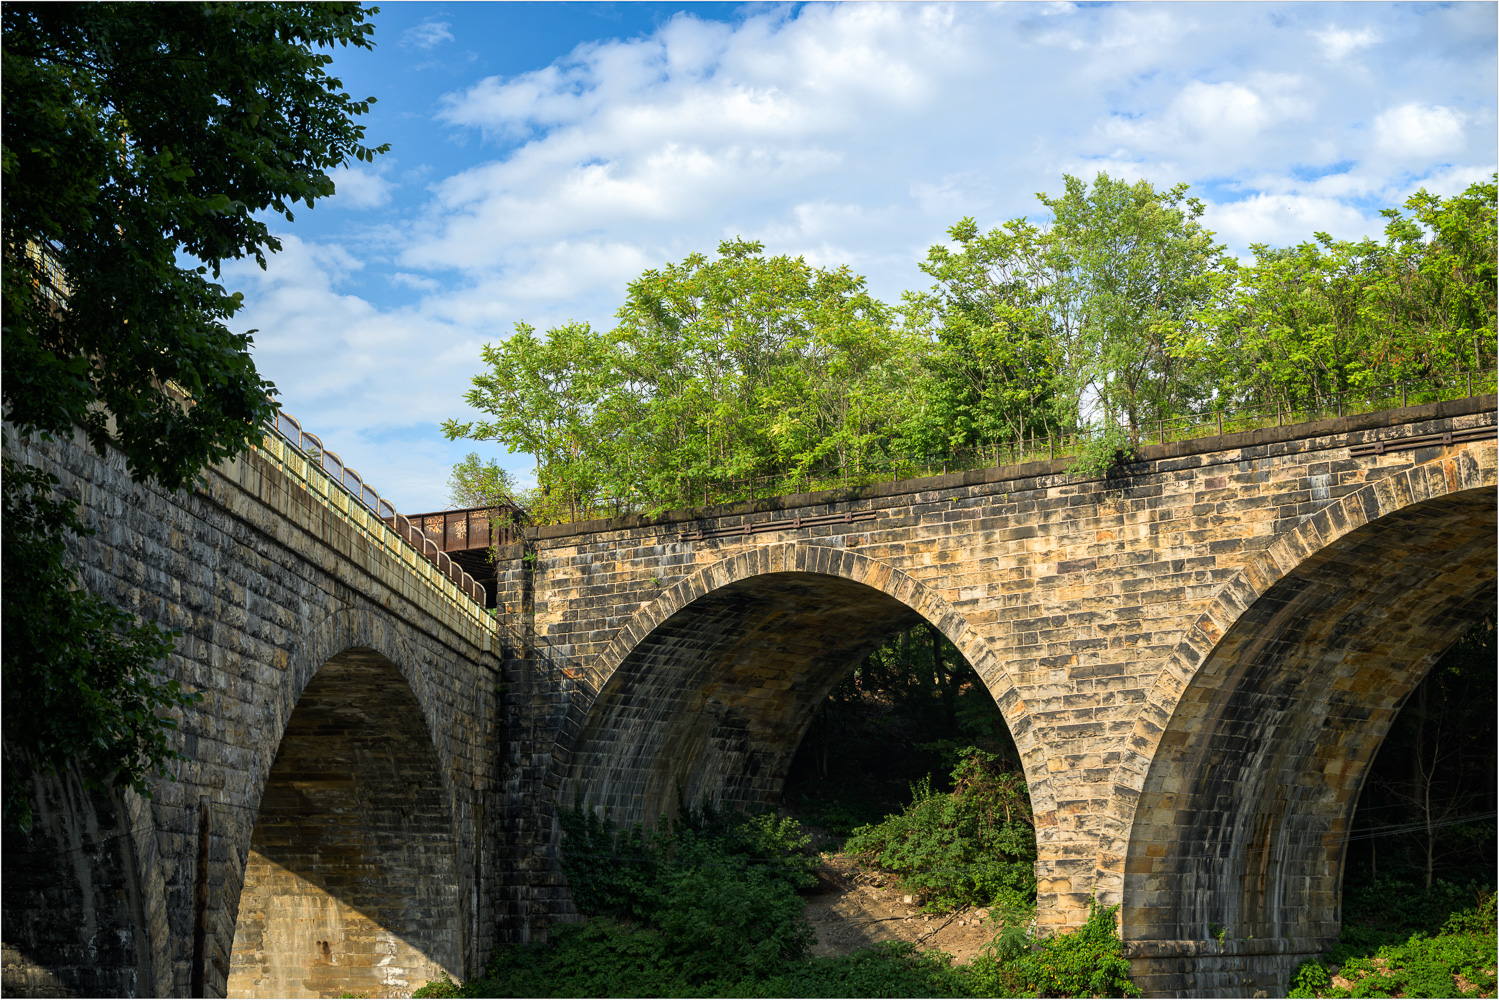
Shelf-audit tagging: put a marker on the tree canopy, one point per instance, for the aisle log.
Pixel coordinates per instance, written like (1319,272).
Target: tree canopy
(139,143)
(725,369)
(1120,312)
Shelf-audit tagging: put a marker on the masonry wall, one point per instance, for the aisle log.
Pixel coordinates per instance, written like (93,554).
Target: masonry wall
(267,584)
(1074,599)
(74,922)
(351,884)
(639,657)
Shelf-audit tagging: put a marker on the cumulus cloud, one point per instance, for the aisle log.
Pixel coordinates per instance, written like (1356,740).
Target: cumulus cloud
(1419,131)
(1286,219)
(361,187)
(1214,118)
(849,134)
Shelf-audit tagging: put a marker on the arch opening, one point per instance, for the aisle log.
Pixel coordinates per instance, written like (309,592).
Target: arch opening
(351,884)
(1241,829)
(1422,840)
(902,719)
(712,704)
(709,708)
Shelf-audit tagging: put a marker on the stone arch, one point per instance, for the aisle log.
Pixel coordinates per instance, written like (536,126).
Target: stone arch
(1242,773)
(610,751)
(349,864)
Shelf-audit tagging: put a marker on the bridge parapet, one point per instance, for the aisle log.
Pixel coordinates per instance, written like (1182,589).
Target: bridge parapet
(303,456)
(385,528)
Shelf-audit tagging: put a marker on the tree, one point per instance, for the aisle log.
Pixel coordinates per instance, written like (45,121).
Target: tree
(1138,271)
(543,395)
(719,371)
(1096,320)
(140,141)
(1326,316)
(482,484)
(993,372)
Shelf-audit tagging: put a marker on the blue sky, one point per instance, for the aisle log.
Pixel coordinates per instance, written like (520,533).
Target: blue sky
(543,155)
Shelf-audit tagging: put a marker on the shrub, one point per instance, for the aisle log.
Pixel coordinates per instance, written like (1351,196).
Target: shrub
(1309,978)
(889,969)
(974,846)
(720,890)
(1423,966)
(1086,962)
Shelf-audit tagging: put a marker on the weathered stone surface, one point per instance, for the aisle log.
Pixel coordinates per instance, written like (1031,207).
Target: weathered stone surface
(269,587)
(1197,656)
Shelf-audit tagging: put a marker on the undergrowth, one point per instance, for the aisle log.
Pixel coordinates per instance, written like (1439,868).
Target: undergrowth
(1420,964)
(707,906)
(974,846)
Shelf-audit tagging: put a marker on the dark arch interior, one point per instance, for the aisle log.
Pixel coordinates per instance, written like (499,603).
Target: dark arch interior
(711,707)
(1242,825)
(351,883)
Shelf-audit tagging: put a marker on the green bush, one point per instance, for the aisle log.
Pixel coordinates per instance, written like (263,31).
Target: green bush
(729,921)
(605,957)
(718,892)
(1421,966)
(1308,979)
(889,969)
(1087,962)
(1388,909)
(974,846)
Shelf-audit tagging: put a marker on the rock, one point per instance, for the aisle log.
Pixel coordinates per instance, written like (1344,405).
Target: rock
(909,900)
(982,913)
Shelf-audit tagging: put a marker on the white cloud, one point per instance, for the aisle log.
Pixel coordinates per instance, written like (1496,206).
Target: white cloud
(1419,131)
(427,35)
(1210,119)
(1286,219)
(1339,43)
(847,133)
(361,187)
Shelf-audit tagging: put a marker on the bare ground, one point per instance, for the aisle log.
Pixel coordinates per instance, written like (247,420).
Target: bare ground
(853,907)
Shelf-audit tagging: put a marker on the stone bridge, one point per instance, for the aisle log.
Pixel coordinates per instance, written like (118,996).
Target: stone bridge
(1197,656)
(327,832)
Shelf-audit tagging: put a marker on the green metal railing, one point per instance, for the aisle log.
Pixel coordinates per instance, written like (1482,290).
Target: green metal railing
(374,519)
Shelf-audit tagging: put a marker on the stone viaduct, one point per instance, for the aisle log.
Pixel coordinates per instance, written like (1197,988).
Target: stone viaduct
(1198,657)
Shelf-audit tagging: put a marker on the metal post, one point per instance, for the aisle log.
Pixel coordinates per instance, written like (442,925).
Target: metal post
(1220,423)
(1161,430)
(1470,384)
(1278,420)
(1402,394)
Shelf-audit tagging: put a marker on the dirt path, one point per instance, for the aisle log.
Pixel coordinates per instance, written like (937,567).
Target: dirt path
(852,908)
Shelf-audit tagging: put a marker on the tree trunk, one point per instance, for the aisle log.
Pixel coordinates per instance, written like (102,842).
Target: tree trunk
(946,683)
